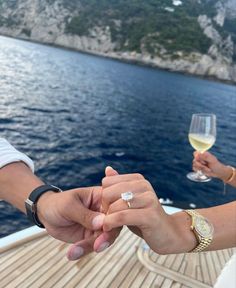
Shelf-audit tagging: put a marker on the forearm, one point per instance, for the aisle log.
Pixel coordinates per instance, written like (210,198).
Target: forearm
(222,217)
(17,181)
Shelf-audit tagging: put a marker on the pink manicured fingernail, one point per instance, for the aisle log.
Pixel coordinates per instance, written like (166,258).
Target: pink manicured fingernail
(103,246)
(76,253)
(109,167)
(98,221)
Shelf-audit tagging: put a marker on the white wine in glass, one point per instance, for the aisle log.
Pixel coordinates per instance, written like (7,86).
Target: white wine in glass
(202,136)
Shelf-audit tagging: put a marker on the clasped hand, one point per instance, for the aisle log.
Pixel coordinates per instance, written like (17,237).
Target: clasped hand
(92,218)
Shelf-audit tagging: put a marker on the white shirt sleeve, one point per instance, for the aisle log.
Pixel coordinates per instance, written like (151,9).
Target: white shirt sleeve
(8,154)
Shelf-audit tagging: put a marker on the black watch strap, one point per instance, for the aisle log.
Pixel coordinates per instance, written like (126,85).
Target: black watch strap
(30,203)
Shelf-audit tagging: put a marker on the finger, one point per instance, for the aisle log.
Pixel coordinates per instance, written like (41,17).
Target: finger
(89,219)
(81,248)
(207,157)
(205,170)
(143,200)
(113,193)
(196,155)
(131,217)
(198,167)
(109,181)
(109,171)
(106,239)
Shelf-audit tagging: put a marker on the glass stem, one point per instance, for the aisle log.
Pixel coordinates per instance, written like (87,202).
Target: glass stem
(225,186)
(199,173)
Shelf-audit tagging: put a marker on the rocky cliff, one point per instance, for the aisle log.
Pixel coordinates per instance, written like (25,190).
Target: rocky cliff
(192,36)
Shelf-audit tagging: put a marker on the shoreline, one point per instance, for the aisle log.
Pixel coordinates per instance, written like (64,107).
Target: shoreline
(124,60)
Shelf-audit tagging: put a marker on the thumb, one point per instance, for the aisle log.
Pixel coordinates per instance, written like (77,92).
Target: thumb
(109,171)
(196,155)
(85,217)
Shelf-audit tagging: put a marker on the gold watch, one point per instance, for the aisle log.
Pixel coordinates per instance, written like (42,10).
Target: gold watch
(202,229)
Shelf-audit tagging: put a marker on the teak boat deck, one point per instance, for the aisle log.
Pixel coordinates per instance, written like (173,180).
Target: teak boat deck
(41,262)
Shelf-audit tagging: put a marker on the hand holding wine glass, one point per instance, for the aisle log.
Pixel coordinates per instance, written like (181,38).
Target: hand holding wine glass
(202,136)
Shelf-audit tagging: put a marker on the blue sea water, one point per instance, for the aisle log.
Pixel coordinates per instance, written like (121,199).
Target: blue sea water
(74,114)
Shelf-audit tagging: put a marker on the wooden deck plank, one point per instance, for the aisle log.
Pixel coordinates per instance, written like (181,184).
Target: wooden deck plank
(44,267)
(64,273)
(221,257)
(141,276)
(76,269)
(79,273)
(25,271)
(205,269)
(110,264)
(122,273)
(191,269)
(167,283)
(176,285)
(132,274)
(158,281)
(161,259)
(170,260)
(42,263)
(10,253)
(113,272)
(19,253)
(178,261)
(149,279)
(56,273)
(216,261)
(212,272)
(119,272)
(60,270)
(11,272)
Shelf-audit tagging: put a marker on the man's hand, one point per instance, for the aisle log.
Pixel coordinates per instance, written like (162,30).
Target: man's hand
(74,216)
(69,216)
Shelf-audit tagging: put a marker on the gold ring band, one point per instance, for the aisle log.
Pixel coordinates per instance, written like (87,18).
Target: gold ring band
(128,203)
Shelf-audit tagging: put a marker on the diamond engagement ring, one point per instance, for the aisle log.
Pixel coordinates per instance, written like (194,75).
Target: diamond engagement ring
(127,196)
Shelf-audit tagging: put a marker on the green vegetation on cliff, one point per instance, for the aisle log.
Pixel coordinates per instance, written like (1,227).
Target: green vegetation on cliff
(138,24)
(166,28)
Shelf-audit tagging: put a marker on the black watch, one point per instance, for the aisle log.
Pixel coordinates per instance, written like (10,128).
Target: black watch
(31,202)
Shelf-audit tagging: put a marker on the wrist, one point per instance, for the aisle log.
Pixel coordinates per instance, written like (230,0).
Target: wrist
(226,173)
(34,205)
(42,206)
(184,239)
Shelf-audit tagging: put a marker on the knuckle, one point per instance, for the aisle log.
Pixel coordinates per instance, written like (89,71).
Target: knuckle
(142,184)
(139,176)
(150,197)
(112,208)
(146,184)
(121,217)
(104,182)
(85,218)
(106,226)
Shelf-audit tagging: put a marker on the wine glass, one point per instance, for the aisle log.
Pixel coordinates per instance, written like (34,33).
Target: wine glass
(202,136)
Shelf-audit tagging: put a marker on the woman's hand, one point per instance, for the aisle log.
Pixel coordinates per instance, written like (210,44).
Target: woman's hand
(145,217)
(211,166)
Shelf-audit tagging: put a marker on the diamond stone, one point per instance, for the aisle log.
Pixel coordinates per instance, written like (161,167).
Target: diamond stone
(127,196)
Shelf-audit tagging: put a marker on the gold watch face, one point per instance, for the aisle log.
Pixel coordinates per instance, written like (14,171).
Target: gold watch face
(204,227)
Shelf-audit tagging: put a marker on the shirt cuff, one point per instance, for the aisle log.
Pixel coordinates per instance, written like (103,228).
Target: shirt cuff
(8,155)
